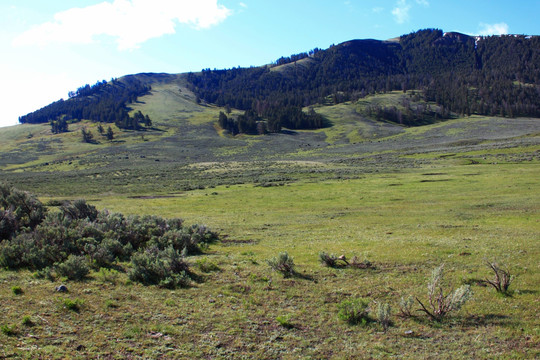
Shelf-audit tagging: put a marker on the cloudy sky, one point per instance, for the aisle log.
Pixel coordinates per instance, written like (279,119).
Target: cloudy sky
(54,46)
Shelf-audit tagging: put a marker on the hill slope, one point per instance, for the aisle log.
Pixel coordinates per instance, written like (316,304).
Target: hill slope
(491,76)
(351,83)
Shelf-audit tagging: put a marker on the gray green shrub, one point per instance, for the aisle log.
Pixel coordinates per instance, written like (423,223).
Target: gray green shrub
(439,304)
(354,311)
(74,268)
(165,268)
(283,263)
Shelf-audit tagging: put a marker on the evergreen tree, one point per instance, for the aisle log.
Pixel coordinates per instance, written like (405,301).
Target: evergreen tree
(87,135)
(147,121)
(109,134)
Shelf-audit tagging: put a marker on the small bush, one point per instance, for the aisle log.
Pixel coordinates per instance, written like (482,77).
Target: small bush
(74,268)
(502,279)
(16,290)
(178,280)
(329,260)
(439,304)
(165,268)
(283,264)
(18,210)
(73,305)
(354,311)
(384,313)
(406,305)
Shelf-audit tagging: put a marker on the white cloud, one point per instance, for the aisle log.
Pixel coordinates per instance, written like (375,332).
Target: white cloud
(243,5)
(423,2)
(131,22)
(401,11)
(377,9)
(493,29)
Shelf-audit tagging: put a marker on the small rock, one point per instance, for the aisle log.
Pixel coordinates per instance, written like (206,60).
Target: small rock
(61,288)
(409,333)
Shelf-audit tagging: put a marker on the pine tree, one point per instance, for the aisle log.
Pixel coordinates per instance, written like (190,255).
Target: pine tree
(109,134)
(87,135)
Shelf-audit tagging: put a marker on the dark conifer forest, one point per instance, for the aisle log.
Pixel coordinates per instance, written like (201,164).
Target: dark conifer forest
(102,102)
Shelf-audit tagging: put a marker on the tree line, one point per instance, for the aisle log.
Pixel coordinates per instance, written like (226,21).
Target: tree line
(104,102)
(271,121)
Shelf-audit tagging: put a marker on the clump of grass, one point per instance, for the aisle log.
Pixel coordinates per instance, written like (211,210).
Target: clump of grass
(105,275)
(27,321)
(283,263)
(354,311)
(285,321)
(132,332)
(73,305)
(17,290)
(45,273)
(439,304)
(254,278)
(8,330)
(170,302)
(111,304)
(206,266)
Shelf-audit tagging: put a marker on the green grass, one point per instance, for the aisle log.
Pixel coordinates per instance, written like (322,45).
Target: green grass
(406,223)
(406,199)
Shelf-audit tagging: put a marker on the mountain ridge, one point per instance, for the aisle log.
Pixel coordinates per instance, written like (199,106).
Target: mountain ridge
(497,75)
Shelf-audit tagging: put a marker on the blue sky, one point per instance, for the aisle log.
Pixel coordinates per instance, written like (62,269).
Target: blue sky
(54,46)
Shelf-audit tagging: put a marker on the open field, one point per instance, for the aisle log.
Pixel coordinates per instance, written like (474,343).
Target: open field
(458,193)
(406,224)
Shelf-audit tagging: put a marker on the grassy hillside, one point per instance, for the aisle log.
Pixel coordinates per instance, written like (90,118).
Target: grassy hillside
(457,192)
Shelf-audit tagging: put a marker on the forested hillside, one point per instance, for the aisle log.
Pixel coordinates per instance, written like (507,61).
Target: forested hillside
(496,75)
(102,102)
(464,75)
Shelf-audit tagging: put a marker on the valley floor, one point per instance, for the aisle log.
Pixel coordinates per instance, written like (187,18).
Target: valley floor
(406,223)
(459,193)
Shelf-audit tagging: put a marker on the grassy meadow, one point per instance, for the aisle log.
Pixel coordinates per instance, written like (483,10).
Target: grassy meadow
(458,193)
